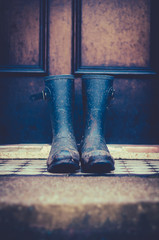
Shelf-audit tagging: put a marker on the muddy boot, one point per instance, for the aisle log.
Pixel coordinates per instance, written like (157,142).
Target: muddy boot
(64,156)
(97,92)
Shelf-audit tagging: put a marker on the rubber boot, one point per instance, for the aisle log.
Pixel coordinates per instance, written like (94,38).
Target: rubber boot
(64,156)
(97,93)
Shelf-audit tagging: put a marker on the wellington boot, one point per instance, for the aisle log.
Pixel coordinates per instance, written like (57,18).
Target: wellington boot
(64,156)
(97,93)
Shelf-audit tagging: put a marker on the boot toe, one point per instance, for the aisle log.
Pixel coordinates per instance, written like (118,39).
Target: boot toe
(63,162)
(63,167)
(98,164)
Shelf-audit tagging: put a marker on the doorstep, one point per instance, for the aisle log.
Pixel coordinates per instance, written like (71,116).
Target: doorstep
(38,205)
(30,159)
(87,208)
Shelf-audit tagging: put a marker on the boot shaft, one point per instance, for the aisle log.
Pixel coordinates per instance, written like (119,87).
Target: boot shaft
(97,93)
(60,91)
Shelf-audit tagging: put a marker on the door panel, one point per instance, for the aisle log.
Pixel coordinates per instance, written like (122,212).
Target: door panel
(116,33)
(116,37)
(23,42)
(20,34)
(23,121)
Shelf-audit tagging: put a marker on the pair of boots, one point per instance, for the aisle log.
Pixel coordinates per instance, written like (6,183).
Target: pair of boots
(93,153)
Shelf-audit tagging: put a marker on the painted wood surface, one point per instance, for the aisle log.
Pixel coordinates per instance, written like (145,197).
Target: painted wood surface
(134,113)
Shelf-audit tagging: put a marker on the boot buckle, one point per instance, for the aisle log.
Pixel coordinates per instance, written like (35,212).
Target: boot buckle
(44,94)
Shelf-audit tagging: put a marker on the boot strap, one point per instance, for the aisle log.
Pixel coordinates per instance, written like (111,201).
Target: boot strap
(111,94)
(44,94)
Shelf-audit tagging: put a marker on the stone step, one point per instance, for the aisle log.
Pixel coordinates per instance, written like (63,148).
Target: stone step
(84,207)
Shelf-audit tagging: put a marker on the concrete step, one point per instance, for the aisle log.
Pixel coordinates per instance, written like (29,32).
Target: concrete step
(81,207)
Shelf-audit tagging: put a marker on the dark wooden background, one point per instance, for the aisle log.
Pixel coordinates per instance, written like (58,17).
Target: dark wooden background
(117,37)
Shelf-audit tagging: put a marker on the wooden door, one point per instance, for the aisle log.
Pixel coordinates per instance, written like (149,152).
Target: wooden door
(117,37)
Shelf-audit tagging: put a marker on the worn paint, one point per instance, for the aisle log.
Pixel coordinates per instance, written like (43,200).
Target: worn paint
(60,32)
(116,33)
(19,30)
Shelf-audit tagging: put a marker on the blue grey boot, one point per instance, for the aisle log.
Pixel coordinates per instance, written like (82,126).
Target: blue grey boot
(97,92)
(64,156)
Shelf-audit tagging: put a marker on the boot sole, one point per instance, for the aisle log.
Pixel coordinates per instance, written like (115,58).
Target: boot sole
(63,167)
(98,167)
